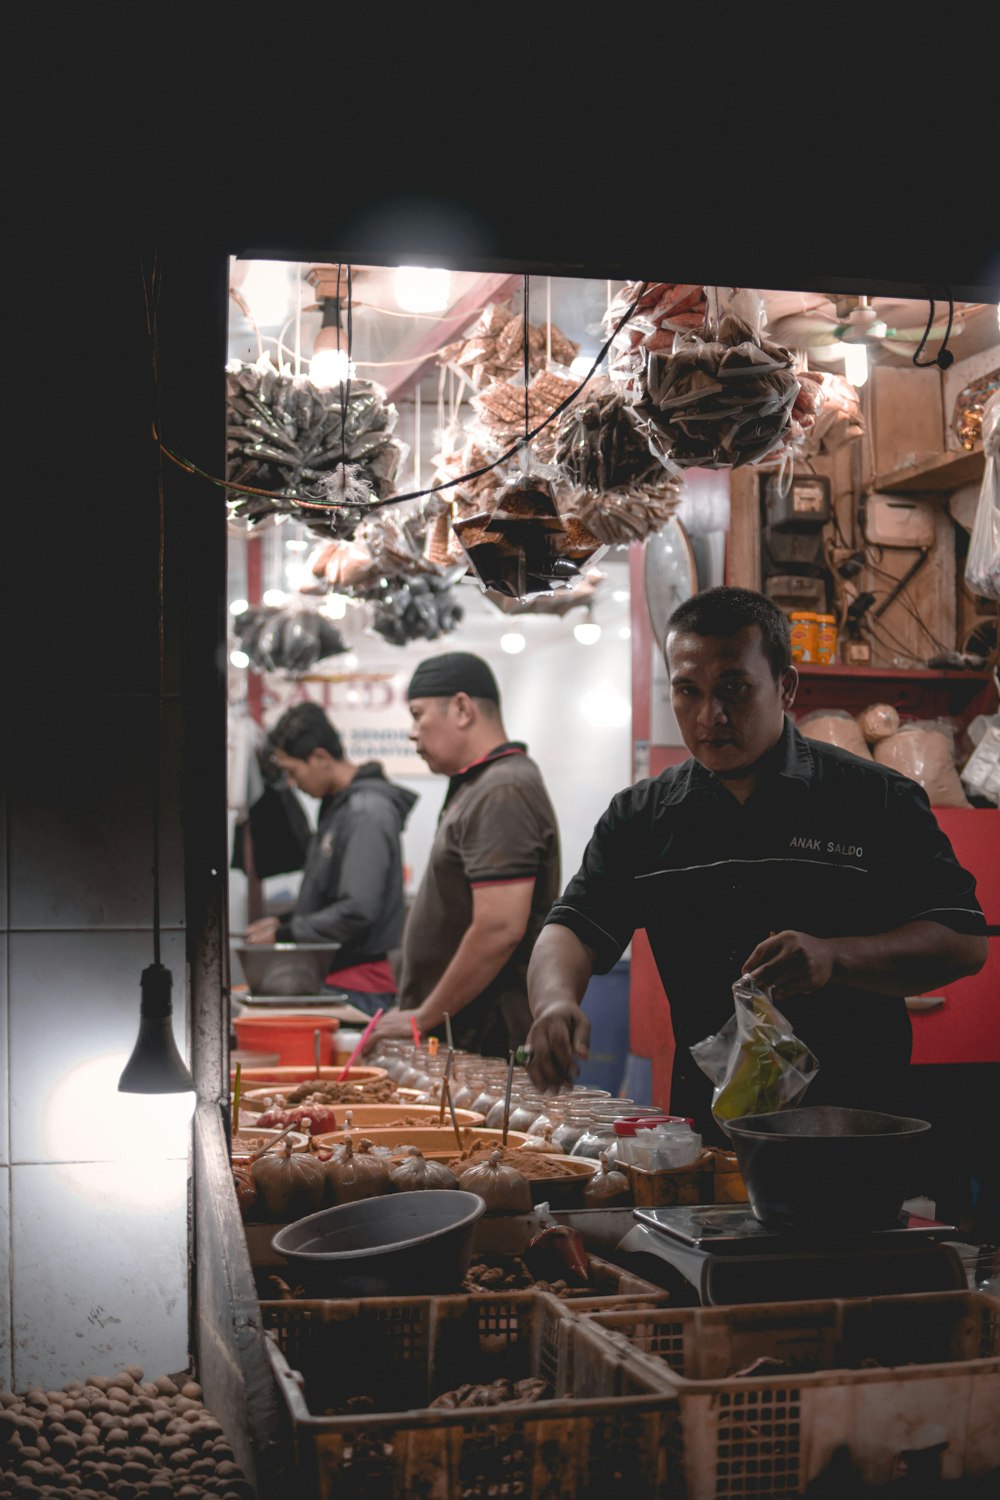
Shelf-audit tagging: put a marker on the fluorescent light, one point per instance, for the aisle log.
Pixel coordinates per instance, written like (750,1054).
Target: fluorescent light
(239,659)
(855,363)
(422,289)
(239,606)
(588,634)
(513,642)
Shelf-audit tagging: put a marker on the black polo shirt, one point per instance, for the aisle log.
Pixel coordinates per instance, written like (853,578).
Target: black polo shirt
(827,844)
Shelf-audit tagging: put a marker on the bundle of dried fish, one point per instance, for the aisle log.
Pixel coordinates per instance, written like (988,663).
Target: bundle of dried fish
(291,438)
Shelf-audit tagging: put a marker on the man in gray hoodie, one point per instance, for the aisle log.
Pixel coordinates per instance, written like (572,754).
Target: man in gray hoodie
(352,885)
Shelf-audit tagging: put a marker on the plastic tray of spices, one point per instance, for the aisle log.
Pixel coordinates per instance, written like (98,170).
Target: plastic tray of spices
(846,1393)
(357,1379)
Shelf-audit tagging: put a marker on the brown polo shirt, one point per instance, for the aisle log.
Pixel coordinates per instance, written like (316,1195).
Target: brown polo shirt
(497,824)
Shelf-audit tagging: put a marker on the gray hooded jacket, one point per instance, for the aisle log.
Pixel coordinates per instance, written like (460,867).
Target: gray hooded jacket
(352,886)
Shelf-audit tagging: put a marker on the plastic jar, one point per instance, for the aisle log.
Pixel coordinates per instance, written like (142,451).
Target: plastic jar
(803,626)
(826,639)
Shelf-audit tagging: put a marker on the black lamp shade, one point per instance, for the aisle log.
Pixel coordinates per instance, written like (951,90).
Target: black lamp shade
(156,1066)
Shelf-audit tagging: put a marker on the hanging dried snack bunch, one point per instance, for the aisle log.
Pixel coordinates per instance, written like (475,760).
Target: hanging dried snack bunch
(967,417)
(622,485)
(471,495)
(664,309)
(501,413)
(286,639)
(494,347)
(524,546)
(838,418)
(289,437)
(574,596)
(725,396)
(415,609)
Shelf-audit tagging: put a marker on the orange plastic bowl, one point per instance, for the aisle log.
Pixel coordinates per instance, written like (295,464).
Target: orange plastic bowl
(287,1077)
(292,1037)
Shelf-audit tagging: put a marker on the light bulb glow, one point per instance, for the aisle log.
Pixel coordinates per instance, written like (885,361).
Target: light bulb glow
(625,633)
(588,633)
(330,367)
(621,596)
(273,597)
(335,607)
(296,544)
(239,606)
(512,642)
(239,659)
(855,363)
(422,289)
(86,1120)
(581,366)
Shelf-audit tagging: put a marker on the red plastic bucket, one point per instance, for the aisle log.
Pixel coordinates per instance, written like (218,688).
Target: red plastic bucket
(292,1037)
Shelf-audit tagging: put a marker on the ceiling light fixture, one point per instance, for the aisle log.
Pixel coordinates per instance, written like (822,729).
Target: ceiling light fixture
(156,1066)
(265,290)
(330,364)
(422,289)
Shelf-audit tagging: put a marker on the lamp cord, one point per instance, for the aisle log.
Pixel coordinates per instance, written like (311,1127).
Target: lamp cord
(944,358)
(324,505)
(151,294)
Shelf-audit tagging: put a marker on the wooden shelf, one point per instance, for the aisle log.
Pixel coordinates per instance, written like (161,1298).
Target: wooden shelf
(893,674)
(918,693)
(945,471)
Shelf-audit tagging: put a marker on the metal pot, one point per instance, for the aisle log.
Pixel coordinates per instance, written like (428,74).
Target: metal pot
(286,968)
(828,1170)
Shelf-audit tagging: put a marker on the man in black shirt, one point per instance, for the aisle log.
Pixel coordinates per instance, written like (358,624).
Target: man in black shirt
(822,875)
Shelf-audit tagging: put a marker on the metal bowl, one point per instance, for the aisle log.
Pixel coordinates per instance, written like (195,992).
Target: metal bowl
(826,1170)
(286,968)
(401,1244)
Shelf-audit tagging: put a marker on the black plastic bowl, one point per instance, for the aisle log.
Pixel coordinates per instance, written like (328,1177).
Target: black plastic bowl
(397,1245)
(827,1170)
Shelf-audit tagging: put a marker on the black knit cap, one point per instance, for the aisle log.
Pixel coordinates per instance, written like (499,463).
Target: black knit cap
(455,672)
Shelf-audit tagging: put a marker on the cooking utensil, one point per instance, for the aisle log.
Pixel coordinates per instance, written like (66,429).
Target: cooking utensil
(828,1170)
(361,1045)
(285,968)
(403,1243)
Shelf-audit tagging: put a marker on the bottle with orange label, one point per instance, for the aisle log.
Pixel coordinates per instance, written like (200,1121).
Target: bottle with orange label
(804,629)
(826,639)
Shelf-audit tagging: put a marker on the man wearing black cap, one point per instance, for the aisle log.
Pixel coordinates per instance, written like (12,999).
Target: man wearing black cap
(493,871)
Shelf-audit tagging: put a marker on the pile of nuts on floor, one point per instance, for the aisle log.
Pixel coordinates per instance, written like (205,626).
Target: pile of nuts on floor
(119,1435)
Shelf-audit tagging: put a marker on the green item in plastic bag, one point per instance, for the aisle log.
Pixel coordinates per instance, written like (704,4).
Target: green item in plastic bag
(757,1063)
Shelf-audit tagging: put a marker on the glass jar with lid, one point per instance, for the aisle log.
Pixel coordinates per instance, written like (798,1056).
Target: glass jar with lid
(393,1056)
(518,1086)
(600,1135)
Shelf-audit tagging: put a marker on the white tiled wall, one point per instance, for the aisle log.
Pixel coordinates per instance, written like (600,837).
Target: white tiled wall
(93,1251)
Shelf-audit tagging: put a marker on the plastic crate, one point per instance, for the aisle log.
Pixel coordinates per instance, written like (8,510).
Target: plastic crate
(603,1433)
(871,1380)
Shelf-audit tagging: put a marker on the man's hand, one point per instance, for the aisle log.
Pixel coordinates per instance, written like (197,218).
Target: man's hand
(263,931)
(791,963)
(559,1036)
(394,1024)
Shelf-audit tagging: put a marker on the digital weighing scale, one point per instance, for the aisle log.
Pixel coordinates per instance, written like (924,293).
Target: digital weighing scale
(726,1256)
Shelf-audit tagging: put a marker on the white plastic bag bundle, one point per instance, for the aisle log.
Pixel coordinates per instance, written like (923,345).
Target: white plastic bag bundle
(924,750)
(982,567)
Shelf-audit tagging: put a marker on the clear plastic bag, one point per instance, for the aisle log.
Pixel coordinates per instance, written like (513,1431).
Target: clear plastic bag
(982,566)
(924,750)
(835,726)
(756,1061)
